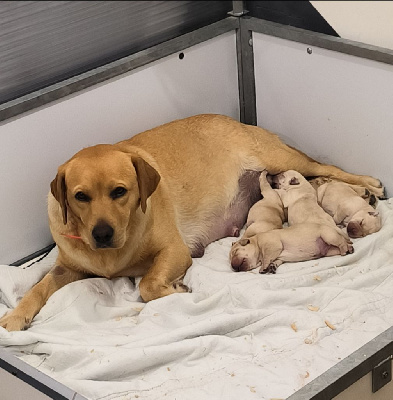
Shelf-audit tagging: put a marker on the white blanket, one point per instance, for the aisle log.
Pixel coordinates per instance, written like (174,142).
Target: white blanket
(236,336)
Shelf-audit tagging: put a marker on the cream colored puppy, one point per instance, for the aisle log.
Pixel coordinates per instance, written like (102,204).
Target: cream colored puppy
(363,192)
(349,209)
(266,214)
(300,198)
(296,243)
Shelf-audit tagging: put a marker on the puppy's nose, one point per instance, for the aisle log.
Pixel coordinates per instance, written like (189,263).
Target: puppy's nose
(238,264)
(103,234)
(354,230)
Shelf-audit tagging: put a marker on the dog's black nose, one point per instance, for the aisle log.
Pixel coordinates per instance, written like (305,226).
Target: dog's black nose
(103,234)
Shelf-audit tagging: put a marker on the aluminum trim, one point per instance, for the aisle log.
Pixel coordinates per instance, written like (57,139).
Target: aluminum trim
(342,375)
(328,42)
(35,378)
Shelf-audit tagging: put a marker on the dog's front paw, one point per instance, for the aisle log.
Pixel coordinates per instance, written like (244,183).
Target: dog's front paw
(14,322)
(271,269)
(350,249)
(180,287)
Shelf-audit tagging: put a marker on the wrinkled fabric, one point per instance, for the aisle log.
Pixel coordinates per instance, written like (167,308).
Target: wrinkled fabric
(237,335)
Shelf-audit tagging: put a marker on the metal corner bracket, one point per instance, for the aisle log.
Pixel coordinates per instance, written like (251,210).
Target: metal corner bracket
(382,374)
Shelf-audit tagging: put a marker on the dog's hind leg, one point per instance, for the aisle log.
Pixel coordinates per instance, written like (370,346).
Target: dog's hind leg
(331,238)
(287,157)
(271,249)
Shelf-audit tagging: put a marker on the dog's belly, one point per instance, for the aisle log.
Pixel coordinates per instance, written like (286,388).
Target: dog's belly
(228,222)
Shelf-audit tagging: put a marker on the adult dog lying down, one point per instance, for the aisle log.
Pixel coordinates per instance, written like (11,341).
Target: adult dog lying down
(144,206)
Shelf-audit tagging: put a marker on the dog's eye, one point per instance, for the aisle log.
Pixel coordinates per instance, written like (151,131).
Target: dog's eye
(80,196)
(118,192)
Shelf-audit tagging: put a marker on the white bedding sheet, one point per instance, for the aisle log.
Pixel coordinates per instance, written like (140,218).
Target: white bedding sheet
(230,338)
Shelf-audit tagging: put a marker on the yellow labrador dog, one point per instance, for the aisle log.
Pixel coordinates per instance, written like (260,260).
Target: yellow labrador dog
(146,205)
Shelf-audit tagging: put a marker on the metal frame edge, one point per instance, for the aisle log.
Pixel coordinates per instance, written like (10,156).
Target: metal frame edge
(350,47)
(36,378)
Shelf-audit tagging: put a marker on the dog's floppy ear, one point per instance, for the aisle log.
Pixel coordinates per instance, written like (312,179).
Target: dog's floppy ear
(244,242)
(148,179)
(294,181)
(59,191)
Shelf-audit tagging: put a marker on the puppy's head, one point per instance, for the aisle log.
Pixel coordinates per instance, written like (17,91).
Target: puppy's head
(289,179)
(244,255)
(101,190)
(364,223)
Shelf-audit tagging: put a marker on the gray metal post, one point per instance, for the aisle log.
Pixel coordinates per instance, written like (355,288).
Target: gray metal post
(246,76)
(238,9)
(245,66)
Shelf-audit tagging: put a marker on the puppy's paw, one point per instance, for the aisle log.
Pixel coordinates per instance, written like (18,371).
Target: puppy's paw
(16,322)
(271,269)
(350,249)
(180,287)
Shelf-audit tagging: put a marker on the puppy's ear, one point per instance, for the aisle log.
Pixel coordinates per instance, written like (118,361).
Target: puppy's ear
(148,179)
(294,181)
(244,242)
(59,191)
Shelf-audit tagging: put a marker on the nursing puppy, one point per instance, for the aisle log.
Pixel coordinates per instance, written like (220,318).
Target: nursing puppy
(364,193)
(266,214)
(146,205)
(300,198)
(349,209)
(293,244)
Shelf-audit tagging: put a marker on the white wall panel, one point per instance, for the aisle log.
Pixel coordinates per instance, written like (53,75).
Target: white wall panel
(335,107)
(32,146)
(364,21)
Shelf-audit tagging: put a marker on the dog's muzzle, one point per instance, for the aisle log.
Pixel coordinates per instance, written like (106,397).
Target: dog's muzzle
(103,235)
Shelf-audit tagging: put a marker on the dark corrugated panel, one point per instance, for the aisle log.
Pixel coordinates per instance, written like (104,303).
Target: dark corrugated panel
(300,14)
(44,42)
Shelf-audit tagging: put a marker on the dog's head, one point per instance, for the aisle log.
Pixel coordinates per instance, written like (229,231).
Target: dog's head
(364,223)
(291,185)
(244,255)
(101,189)
(288,179)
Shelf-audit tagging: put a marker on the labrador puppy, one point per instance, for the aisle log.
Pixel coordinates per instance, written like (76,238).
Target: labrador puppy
(266,214)
(364,193)
(296,243)
(146,205)
(300,199)
(349,209)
